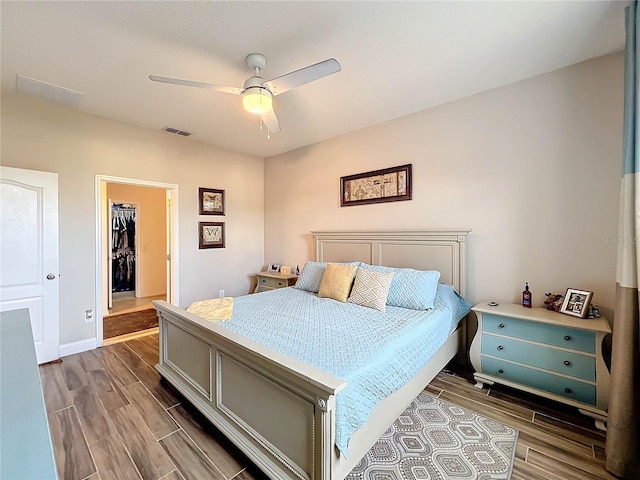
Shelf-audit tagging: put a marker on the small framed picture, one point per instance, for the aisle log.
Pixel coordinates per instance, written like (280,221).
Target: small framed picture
(273,267)
(211,201)
(211,235)
(576,302)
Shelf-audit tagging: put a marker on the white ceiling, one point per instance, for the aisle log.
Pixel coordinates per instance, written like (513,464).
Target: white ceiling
(397,57)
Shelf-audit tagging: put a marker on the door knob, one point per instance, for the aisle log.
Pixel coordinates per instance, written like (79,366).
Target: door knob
(51,276)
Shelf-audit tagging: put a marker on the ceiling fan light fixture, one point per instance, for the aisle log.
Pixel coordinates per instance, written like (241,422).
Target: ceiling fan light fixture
(257,100)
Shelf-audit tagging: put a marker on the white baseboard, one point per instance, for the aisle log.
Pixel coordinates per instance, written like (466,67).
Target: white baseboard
(78,347)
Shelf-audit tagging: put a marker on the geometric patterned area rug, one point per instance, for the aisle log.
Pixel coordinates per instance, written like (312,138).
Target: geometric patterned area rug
(434,439)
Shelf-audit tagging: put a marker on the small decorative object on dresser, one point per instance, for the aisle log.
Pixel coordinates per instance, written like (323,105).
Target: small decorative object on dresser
(273,280)
(576,302)
(553,301)
(543,352)
(273,267)
(526,296)
(285,269)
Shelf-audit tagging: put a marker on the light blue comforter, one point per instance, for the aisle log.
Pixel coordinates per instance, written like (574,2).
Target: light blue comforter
(375,353)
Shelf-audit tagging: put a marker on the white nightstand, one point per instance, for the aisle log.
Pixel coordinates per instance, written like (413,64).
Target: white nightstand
(273,280)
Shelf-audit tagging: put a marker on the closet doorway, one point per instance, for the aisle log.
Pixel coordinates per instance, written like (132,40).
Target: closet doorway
(122,265)
(136,265)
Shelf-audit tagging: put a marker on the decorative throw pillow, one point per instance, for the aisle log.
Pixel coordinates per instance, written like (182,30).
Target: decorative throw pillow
(311,275)
(415,289)
(336,281)
(371,289)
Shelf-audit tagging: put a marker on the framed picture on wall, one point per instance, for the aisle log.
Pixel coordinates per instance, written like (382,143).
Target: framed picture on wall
(211,234)
(378,186)
(211,201)
(576,302)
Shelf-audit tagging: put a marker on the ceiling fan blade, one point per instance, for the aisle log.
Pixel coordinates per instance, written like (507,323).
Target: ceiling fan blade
(308,74)
(270,121)
(191,83)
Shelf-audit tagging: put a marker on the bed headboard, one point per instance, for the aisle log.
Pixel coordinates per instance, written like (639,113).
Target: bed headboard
(441,250)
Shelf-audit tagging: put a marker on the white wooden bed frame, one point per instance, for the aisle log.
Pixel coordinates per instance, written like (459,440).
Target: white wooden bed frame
(277,410)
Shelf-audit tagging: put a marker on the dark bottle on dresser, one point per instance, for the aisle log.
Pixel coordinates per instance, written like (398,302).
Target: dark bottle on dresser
(526,296)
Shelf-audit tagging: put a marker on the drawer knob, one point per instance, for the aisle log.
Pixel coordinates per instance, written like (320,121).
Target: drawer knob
(501,325)
(500,347)
(567,390)
(567,363)
(567,338)
(501,371)
(280,283)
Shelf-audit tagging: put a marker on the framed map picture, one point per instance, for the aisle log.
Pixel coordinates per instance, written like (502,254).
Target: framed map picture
(211,234)
(211,201)
(386,185)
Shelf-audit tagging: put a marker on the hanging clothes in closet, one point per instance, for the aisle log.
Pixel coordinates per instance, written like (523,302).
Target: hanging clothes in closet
(123,254)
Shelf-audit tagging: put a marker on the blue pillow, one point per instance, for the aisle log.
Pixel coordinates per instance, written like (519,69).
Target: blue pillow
(311,276)
(415,289)
(459,305)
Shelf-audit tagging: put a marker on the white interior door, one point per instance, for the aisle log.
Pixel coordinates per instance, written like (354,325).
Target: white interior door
(29,253)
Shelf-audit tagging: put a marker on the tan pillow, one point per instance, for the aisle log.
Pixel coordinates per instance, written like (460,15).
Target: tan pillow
(371,289)
(336,282)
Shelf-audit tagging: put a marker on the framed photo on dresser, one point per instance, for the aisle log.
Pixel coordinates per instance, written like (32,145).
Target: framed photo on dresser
(576,302)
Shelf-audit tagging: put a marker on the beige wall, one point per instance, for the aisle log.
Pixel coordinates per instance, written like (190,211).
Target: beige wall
(151,235)
(533,168)
(42,136)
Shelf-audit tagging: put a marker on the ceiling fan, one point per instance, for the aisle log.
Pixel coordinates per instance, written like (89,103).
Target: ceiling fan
(257,94)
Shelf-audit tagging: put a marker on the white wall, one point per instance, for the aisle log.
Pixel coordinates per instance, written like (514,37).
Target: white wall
(533,168)
(42,136)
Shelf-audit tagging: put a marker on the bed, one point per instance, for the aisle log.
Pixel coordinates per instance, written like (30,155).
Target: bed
(280,411)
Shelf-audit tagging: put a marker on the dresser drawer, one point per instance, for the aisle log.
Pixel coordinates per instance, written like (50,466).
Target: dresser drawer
(565,387)
(271,282)
(582,340)
(568,363)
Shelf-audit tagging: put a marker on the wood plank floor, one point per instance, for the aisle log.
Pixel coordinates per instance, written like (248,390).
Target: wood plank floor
(125,302)
(111,417)
(130,322)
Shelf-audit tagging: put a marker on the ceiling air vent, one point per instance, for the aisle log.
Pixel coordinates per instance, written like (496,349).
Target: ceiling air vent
(176,131)
(47,91)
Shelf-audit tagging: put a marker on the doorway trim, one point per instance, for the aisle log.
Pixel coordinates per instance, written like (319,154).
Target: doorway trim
(101,215)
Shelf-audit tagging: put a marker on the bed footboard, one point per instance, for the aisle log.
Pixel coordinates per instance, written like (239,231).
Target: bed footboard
(277,410)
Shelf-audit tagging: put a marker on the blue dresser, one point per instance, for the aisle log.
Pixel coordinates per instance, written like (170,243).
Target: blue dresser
(26,452)
(543,352)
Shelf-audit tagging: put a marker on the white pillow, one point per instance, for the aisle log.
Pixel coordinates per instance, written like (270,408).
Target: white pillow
(371,289)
